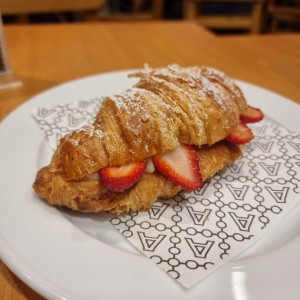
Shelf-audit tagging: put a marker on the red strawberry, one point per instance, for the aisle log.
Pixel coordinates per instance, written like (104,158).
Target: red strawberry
(251,115)
(241,135)
(181,166)
(118,179)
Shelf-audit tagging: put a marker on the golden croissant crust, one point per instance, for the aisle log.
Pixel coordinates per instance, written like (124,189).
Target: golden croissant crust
(167,107)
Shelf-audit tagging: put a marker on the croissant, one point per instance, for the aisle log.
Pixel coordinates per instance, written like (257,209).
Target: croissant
(168,107)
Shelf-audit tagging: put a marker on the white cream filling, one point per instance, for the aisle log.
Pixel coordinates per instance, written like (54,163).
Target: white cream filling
(150,166)
(94,176)
(149,169)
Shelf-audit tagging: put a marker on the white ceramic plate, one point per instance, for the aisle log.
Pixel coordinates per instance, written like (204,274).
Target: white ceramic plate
(68,255)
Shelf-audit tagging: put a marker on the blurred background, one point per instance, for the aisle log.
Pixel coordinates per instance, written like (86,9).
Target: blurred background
(221,17)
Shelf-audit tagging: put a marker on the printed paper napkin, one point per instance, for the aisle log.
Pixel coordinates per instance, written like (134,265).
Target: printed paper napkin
(194,233)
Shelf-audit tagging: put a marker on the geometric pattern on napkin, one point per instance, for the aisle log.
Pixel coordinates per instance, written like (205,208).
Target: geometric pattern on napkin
(59,120)
(194,233)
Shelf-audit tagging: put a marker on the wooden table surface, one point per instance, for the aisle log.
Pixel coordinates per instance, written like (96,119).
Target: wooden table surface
(43,56)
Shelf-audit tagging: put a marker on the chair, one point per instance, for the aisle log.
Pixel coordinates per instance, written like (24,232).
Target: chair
(284,12)
(22,8)
(134,12)
(251,21)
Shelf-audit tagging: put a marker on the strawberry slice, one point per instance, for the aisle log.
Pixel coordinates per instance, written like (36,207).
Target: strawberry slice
(119,179)
(251,115)
(180,165)
(241,135)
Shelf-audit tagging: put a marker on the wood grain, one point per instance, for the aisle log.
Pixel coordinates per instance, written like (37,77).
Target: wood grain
(11,287)
(46,55)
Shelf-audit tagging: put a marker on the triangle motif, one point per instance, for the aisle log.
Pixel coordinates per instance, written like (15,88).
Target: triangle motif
(200,250)
(44,112)
(265,147)
(150,243)
(202,190)
(272,170)
(278,195)
(236,167)
(85,103)
(238,193)
(156,211)
(74,122)
(243,223)
(259,129)
(198,217)
(296,146)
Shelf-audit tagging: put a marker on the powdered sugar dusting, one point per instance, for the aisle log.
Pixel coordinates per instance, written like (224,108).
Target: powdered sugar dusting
(87,130)
(196,80)
(92,130)
(132,102)
(195,85)
(129,100)
(226,81)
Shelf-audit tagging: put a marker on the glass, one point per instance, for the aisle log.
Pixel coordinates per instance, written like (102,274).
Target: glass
(7,78)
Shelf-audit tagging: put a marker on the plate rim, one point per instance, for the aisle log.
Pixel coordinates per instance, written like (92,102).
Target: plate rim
(7,256)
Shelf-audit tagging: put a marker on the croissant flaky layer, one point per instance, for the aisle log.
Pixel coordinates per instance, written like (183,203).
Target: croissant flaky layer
(167,107)
(89,195)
